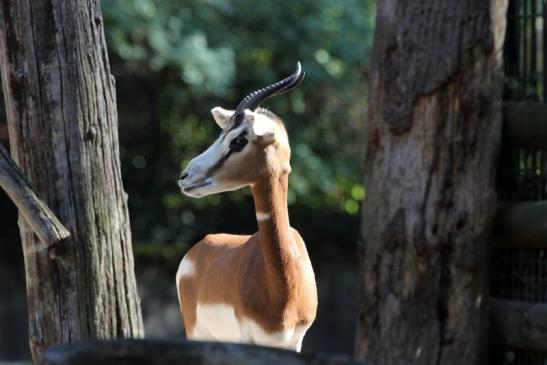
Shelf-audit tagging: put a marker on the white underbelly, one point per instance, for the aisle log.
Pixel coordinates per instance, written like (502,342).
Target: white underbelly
(217,322)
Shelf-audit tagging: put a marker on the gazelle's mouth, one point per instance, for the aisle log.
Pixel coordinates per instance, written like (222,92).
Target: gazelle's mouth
(190,188)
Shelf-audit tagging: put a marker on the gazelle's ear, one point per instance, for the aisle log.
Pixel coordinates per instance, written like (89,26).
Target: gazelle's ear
(262,126)
(222,116)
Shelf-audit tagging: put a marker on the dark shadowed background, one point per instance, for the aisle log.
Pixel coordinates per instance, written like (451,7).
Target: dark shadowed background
(173,62)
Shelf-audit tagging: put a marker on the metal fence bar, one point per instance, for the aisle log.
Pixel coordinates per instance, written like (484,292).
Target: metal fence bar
(519,260)
(544,53)
(533,52)
(524,42)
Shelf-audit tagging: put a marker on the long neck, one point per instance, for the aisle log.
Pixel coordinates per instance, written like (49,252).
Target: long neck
(276,240)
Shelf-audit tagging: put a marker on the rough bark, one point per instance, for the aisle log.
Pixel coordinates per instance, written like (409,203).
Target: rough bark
(187,353)
(61,109)
(434,124)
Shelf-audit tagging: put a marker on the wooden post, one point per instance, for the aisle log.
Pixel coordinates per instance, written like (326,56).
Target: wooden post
(434,125)
(61,109)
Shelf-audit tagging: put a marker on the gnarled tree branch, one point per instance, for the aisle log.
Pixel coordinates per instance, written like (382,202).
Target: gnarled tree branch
(42,220)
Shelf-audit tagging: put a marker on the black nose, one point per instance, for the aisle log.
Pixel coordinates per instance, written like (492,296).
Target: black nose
(183,176)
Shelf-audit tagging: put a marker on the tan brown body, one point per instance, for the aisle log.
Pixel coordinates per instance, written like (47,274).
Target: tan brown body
(231,270)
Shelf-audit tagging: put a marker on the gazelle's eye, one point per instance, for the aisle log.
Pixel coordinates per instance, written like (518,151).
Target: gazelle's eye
(238,143)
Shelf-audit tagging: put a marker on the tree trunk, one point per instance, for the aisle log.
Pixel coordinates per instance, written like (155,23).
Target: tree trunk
(61,109)
(434,124)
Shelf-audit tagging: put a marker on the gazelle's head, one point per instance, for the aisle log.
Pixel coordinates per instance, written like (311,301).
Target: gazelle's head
(253,144)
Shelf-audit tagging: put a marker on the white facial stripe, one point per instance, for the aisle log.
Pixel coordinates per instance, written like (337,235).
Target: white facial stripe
(215,152)
(234,133)
(208,157)
(260,216)
(222,143)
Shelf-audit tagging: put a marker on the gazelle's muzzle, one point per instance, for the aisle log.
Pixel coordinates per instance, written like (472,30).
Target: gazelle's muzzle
(194,178)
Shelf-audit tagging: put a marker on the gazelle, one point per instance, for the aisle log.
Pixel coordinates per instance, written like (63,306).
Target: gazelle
(256,289)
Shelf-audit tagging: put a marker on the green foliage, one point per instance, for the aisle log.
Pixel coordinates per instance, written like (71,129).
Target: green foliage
(154,35)
(175,60)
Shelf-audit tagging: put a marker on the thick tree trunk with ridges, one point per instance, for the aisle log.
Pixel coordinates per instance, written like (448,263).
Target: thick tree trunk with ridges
(434,125)
(61,108)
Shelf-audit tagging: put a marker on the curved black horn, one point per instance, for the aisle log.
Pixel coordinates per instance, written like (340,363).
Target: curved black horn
(252,100)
